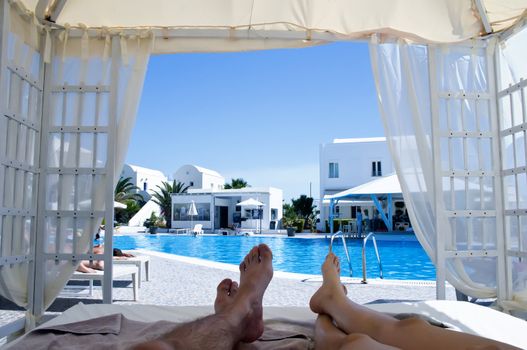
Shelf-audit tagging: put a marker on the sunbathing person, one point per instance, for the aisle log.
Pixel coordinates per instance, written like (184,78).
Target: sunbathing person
(343,324)
(87,266)
(238,313)
(92,266)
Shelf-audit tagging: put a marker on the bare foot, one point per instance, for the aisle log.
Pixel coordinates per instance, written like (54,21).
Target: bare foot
(331,288)
(327,335)
(226,292)
(256,271)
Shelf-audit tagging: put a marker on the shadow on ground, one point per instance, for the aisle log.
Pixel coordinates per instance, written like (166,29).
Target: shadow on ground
(63,303)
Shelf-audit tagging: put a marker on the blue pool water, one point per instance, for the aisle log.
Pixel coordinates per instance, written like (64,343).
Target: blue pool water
(401,260)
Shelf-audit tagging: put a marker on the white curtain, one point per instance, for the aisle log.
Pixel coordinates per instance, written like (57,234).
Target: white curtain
(512,102)
(86,64)
(82,75)
(20,99)
(402,78)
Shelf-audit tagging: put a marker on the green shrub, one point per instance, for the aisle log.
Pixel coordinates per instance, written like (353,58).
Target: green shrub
(299,225)
(338,224)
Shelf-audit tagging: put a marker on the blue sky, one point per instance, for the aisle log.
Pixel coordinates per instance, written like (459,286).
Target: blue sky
(258,115)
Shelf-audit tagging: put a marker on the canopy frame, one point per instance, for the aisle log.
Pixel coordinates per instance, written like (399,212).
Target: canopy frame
(39,259)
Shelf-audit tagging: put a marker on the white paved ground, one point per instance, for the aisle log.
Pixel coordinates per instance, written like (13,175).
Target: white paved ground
(187,281)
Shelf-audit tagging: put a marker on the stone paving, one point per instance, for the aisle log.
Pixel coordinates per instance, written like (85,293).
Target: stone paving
(177,281)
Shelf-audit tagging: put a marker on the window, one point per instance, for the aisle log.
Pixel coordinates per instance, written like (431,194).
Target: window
(181,212)
(274,213)
(376,169)
(333,170)
(191,183)
(145,186)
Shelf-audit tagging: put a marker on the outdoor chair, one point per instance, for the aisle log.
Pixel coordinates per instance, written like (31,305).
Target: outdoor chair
(118,271)
(197,230)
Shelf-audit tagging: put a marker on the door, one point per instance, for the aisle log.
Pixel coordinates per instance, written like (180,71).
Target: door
(224,217)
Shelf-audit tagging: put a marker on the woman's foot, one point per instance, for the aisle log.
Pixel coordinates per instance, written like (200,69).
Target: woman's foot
(331,288)
(327,335)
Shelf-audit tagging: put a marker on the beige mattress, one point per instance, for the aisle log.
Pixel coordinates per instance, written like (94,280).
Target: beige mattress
(462,316)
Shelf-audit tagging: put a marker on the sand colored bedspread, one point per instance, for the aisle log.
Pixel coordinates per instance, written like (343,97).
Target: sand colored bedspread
(117,332)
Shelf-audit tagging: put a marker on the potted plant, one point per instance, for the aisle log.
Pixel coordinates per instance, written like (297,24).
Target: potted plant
(151,223)
(289,226)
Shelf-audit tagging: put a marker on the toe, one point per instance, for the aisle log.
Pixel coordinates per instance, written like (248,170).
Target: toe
(234,289)
(224,286)
(335,260)
(253,255)
(242,266)
(265,253)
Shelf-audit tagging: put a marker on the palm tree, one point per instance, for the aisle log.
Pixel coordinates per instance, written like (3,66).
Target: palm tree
(125,190)
(163,198)
(236,183)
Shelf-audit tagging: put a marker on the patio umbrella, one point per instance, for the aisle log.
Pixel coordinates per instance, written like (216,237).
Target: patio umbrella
(253,203)
(192,211)
(119,205)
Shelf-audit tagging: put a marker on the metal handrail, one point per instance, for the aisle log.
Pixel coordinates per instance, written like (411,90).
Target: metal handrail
(372,235)
(345,248)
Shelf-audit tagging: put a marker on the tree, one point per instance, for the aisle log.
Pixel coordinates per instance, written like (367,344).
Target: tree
(303,207)
(236,183)
(124,215)
(163,198)
(125,190)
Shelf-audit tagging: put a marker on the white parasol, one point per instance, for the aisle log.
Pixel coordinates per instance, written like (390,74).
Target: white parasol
(192,211)
(253,203)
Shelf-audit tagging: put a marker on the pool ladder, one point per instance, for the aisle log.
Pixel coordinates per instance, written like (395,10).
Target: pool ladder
(339,233)
(364,241)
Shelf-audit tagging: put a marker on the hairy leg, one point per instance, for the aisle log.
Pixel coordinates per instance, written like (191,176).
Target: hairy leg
(352,318)
(239,312)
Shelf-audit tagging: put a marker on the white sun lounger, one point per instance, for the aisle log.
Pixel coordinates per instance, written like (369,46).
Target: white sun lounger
(460,316)
(137,260)
(118,271)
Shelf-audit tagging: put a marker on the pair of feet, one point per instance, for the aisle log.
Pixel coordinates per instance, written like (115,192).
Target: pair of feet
(242,303)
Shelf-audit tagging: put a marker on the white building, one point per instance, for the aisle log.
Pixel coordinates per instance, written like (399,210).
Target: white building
(197,177)
(146,179)
(347,163)
(217,209)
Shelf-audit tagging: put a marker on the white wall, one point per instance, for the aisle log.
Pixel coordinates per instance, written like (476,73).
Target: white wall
(276,202)
(140,175)
(188,174)
(212,182)
(354,157)
(187,199)
(144,213)
(270,197)
(206,179)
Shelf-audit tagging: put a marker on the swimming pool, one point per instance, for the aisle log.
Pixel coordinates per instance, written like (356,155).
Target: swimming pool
(401,260)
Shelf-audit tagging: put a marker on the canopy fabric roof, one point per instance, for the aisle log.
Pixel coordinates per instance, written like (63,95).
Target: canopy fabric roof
(251,202)
(384,185)
(198,22)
